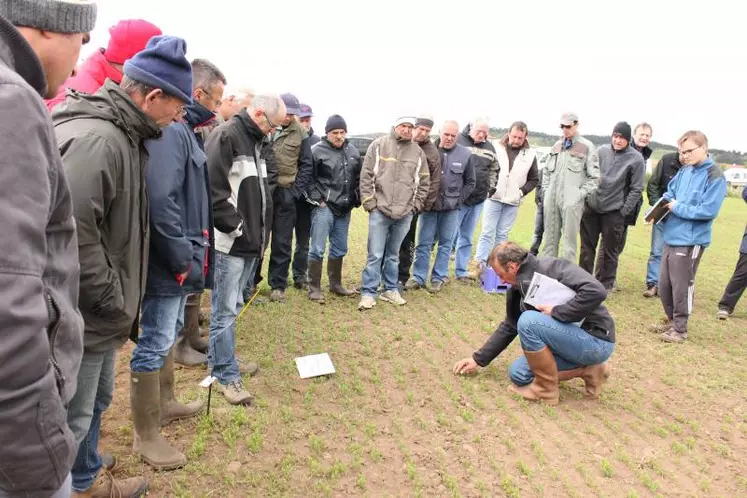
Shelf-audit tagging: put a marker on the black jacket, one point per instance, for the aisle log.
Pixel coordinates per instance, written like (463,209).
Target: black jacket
(337,174)
(586,305)
(646,152)
(241,187)
(181,220)
(485,163)
(458,180)
(665,169)
(313,139)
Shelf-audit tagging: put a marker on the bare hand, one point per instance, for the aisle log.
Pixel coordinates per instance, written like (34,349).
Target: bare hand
(544,309)
(671,204)
(465,366)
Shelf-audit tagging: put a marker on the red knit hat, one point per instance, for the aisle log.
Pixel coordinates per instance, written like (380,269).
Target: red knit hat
(129,37)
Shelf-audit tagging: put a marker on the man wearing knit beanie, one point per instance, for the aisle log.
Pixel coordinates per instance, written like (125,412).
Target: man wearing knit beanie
(101,139)
(334,192)
(127,38)
(622,173)
(40,324)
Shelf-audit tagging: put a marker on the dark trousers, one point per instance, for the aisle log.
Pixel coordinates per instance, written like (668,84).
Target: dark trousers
(303,236)
(407,251)
(283,223)
(620,248)
(539,229)
(736,285)
(610,226)
(677,282)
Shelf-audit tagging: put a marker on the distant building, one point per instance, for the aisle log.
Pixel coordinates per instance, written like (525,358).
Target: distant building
(736,176)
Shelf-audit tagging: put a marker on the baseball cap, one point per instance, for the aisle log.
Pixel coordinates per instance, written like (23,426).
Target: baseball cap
(568,118)
(292,105)
(305,111)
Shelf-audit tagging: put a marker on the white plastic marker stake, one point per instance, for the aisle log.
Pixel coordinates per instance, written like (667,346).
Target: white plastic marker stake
(208,382)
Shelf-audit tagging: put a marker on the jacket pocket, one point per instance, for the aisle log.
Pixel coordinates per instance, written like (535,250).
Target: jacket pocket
(552,162)
(198,266)
(55,318)
(576,161)
(48,447)
(454,189)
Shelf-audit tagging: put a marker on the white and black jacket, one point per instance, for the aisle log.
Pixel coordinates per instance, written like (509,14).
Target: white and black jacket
(240,186)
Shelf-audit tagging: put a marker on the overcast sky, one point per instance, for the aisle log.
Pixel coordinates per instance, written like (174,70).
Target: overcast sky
(677,66)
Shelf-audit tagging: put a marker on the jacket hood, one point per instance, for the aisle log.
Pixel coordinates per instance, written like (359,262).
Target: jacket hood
(17,54)
(112,104)
(198,115)
(97,66)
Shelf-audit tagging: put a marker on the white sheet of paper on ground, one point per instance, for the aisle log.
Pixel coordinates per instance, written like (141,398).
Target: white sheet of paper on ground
(207,381)
(314,365)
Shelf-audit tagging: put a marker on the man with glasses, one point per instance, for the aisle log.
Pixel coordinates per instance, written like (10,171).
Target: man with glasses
(179,268)
(485,161)
(292,213)
(440,222)
(570,175)
(694,198)
(101,138)
(242,215)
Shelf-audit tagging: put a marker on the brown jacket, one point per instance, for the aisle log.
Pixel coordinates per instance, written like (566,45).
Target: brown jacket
(436,172)
(395,177)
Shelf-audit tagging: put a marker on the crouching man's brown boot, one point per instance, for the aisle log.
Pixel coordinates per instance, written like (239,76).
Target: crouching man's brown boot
(594,377)
(544,387)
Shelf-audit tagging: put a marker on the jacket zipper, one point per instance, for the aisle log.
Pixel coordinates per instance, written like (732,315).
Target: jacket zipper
(54,313)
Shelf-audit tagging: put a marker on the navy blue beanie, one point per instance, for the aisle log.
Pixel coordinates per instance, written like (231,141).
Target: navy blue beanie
(163,64)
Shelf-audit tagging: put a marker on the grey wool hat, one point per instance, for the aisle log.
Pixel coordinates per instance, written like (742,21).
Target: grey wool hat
(57,16)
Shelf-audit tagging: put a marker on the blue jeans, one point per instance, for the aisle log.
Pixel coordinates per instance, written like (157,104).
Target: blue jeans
(468,218)
(571,345)
(231,276)
(92,397)
(324,225)
(654,258)
(497,220)
(161,319)
(385,237)
(432,226)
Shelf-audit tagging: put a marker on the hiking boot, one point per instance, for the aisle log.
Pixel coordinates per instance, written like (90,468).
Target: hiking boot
(474,269)
(277,296)
(392,296)
(412,284)
(673,336)
(108,462)
(105,486)
(544,387)
(663,326)
(594,377)
(652,291)
(300,285)
(145,400)
(171,409)
(334,272)
(436,286)
(235,393)
(247,367)
(315,281)
(366,303)
(722,314)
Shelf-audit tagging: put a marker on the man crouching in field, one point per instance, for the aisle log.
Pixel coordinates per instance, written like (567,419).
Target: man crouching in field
(555,348)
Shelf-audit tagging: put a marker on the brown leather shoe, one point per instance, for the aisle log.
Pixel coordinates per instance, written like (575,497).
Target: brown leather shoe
(663,326)
(544,387)
(105,486)
(652,291)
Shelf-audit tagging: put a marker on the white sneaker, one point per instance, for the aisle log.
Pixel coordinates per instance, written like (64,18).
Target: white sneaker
(367,302)
(392,296)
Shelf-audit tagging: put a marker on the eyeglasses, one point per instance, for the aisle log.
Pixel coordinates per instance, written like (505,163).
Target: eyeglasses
(269,122)
(689,151)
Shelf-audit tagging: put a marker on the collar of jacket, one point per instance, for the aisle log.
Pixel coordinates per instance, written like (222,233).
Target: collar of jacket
(327,142)
(708,162)
(110,103)
(198,115)
(293,126)
(437,143)
(645,151)
(17,54)
(627,149)
(527,268)
(249,125)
